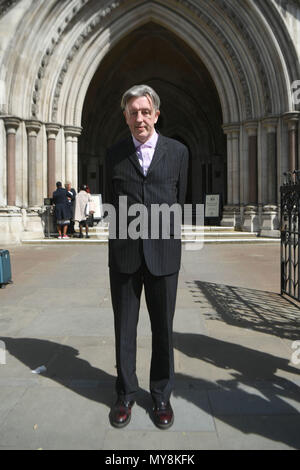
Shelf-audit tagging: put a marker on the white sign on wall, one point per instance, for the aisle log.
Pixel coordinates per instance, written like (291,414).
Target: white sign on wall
(97,199)
(212,205)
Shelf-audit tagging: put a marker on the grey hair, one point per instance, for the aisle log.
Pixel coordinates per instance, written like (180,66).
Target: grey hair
(140,90)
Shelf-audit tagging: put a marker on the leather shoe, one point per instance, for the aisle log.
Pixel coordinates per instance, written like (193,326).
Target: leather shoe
(120,414)
(163,415)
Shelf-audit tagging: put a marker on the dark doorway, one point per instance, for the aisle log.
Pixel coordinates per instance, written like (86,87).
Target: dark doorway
(190,109)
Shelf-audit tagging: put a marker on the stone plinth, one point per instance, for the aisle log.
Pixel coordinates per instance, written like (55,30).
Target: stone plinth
(270,226)
(251,219)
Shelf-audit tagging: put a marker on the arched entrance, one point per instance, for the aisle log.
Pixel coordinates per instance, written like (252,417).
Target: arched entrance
(190,112)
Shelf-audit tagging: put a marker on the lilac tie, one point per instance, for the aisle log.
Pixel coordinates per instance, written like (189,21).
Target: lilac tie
(145,157)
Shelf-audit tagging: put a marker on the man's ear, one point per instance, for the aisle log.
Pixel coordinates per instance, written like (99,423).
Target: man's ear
(157,113)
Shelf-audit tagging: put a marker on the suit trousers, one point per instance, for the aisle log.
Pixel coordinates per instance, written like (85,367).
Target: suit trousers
(160,295)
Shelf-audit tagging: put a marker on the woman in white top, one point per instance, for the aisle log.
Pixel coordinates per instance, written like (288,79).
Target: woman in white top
(82,209)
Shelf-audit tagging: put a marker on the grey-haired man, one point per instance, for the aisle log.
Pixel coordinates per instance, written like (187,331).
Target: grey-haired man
(148,169)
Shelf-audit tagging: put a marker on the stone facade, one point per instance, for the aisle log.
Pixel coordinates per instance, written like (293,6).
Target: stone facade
(225,70)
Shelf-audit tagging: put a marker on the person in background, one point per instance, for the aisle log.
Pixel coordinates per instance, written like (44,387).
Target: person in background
(71,195)
(82,210)
(90,219)
(62,210)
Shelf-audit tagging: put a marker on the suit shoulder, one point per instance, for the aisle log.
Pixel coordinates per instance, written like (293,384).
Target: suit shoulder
(173,143)
(119,151)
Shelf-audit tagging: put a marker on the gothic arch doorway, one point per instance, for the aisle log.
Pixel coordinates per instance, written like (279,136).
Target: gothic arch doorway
(190,112)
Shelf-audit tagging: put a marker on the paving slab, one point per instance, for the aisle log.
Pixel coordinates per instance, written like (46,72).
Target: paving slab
(236,385)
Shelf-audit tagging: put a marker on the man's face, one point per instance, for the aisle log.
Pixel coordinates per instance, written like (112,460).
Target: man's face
(141,117)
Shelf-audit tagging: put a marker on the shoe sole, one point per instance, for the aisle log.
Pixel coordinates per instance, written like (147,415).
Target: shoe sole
(120,425)
(164,426)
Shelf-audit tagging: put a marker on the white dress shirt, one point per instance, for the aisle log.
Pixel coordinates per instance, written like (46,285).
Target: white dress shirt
(146,151)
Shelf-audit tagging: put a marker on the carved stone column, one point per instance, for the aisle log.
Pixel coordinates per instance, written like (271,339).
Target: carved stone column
(292,122)
(270,219)
(271,125)
(251,219)
(71,142)
(11,125)
(33,128)
(33,220)
(52,131)
(10,215)
(231,213)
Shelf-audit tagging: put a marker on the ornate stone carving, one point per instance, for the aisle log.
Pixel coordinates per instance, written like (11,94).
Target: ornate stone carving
(6,5)
(89,29)
(253,49)
(208,21)
(55,40)
(196,9)
(243,30)
(75,47)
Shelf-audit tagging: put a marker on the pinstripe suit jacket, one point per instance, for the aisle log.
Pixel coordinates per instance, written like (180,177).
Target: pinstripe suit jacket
(165,183)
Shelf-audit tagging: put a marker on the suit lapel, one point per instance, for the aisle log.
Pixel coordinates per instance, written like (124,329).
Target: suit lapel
(131,152)
(160,151)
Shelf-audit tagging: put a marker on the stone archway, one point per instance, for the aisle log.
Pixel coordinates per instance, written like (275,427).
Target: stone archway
(191,110)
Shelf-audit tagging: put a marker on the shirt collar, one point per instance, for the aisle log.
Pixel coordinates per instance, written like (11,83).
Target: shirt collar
(149,143)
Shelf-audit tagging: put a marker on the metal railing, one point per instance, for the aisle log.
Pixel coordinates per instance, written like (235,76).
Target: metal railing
(290,252)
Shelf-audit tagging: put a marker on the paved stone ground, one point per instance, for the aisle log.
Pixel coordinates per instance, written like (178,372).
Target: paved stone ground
(236,386)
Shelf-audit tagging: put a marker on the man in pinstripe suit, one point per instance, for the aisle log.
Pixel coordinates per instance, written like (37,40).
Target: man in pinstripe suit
(149,169)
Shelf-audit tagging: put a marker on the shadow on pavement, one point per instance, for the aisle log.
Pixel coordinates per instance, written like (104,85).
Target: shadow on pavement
(261,311)
(67,369)
(245,402)
(253,395)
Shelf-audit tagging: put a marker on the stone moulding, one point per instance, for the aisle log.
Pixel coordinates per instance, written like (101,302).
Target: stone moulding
(192,7)
(55,40)
(83,37)
(106,11)
(6,5)
(95,23)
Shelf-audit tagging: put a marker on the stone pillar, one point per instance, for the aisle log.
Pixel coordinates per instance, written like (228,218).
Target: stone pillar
(235,134)
(33,128)
(229,169)
(10,215)
(251,128)
(33,219)
(251,218)
(71,142)
(11,125)
(270,218)
(271,125)
(231,213)
(292,122)
(75,161)
(69,155)
(52,131)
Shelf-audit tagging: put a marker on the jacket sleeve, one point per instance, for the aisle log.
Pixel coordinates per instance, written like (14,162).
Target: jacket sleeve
(183,175)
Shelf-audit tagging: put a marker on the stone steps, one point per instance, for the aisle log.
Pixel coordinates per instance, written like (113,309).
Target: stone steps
(190,234)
